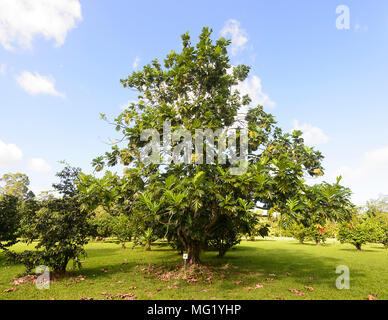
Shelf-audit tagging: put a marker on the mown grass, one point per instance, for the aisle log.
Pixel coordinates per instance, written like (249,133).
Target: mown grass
(278,265)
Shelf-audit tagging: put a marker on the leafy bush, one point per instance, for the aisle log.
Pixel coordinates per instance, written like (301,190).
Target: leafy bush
(59,227)
(317,233)
(146,239)
(359,232)
(223,236)
(9,220)
(102,224)
(122,229)
(299,232)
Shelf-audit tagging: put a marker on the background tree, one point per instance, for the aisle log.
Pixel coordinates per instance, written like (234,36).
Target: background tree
(299,232)
(122,229)
(229,230)
(359,231)
(58,226)
(9,220)
(377,210)
(16,184)
(102,224)
(314,209)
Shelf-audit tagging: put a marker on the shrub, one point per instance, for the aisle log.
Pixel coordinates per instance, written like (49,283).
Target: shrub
(359,232)
(9,221)
(102,224)
(59,227)
(122,229)
(299,232)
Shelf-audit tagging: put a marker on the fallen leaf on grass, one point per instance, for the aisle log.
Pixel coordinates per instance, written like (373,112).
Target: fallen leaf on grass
(204,290)
(279,298)
(126,296)
(10,289)
(213,298)
(104,270)
(288,274)
(132,288)
(172,287)
(259,285)
(248,288)
(309,288)
(106,295)
(24,280)
(237,283)
(192,280)
(272,275)
(269,279)
(86,298)
(371,297)
(299,293)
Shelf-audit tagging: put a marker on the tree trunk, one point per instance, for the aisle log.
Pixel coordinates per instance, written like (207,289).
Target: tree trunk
(148,246)
(301,241)
(123,245)
(318,243)
(194,252)
(358,246)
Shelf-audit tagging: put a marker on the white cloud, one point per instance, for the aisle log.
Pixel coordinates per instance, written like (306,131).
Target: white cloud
(37,84)
(22,20)
(39,165)
(253,87)
(239,36)
(368,179)
(9,154)
(136,63)
(312,135)
(377,159)
(3,69)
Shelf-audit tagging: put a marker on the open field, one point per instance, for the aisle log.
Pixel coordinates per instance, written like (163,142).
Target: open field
(278,265)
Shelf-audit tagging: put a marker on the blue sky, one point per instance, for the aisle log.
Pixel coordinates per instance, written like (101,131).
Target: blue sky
(61,62)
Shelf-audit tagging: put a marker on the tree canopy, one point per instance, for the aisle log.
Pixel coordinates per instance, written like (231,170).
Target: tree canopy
(193,92)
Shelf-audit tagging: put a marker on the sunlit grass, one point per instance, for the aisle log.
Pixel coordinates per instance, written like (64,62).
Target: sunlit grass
(291,265)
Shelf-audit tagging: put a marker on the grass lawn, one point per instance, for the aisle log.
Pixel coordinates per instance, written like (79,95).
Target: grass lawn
(278,265)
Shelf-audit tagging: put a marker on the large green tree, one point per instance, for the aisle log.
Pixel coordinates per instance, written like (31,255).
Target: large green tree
(195,89)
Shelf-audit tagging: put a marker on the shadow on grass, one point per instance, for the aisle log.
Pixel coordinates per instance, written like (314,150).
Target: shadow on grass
(250,261)
(258,263)
(355,250)
(106,269)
